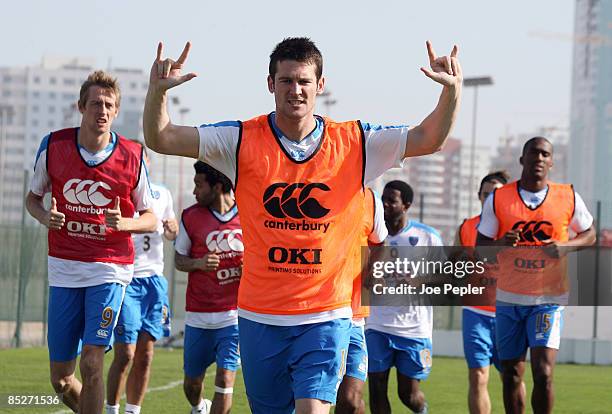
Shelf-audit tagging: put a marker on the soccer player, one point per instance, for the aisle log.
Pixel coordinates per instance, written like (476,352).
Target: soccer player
(97,180)
(532,212)
(210,248)
(350,393)
(144,309)
(299,182)
(400,336)
(479,321)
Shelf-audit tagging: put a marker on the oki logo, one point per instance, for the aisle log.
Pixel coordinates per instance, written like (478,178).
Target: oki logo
(294,256)
(232,272)
(89,228)
(86,192)
(225,241)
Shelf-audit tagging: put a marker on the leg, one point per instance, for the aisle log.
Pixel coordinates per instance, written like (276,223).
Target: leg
(350,393)
(228,359)
(514,389)
(377,385)
(542,366)
(544,330)
(115,382)
(92,372)
(63,338)
(224,389)
(350,396)
(409,393)
(198,354)
(478,394)
(138,379)
(311,406)
(65,383)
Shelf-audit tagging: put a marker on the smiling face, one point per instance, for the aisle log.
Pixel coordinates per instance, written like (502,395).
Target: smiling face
(99,110)
(537,159)
(295,87)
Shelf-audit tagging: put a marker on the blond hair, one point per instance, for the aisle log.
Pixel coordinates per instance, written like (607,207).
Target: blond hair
(103,80)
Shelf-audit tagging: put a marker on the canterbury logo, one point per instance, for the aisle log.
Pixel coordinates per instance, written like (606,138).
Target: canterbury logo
(225,241)
(294,200)
(533,231)
(86,192)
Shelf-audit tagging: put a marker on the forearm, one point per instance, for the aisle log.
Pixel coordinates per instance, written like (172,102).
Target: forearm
(36,208)
(155,119)
(429,136)
(145,223)
(584,239)
(185,263)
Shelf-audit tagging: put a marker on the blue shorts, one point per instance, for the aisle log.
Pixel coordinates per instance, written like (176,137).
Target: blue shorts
(81,316)
(142,309)
(479,340)
(281,364)
(411,356)
(205,346)
(357,357)
(519,327)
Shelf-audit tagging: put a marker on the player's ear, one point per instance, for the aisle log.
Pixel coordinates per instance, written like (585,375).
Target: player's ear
(321,85)
(270,84)
(521,160)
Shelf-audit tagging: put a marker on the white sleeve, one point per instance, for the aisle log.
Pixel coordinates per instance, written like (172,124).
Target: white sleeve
(582,220)
(169,211)
(141,195)
(384,147)
(182,244)
(40,183)
(218,144)
(379,231)
(488,220)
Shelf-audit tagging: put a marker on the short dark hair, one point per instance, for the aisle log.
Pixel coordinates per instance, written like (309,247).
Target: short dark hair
(531,141)
(213,176)
(501,177)
(404,188)
(300,49)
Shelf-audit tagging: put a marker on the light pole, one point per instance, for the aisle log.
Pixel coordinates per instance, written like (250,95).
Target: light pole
(475,83)
(328,102)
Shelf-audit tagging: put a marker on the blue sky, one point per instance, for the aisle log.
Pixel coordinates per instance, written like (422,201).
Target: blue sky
(372,52)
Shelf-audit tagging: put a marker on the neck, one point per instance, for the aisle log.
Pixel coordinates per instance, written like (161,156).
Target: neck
(223,203)
(93,142)
(533,184)
(396,225)
(293,129)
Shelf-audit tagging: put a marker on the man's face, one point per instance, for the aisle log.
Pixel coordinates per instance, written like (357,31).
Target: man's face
(537,159)
(100,109)
(202,191)
(487,188)
(295,88)
(393,205)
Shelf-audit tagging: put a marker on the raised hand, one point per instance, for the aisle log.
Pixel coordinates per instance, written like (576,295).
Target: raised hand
(171,228)
(445,70)
(56,219)
(113,217)
(166,73)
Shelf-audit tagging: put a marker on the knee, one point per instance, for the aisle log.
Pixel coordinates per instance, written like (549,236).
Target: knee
(124,355)
(144,358)
(410,398)
(92,364)
(191,385)
(351,401)
(479,378)
(61,383)
(543,375)
(511,376)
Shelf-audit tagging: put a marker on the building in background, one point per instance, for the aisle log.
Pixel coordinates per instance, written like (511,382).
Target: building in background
(591,106)
(35,100)
(441,185)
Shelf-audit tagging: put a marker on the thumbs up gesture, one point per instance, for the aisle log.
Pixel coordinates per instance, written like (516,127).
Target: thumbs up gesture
(113,217)
(56,219)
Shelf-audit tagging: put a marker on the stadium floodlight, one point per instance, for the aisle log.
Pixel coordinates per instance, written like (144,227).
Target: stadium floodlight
(474,83)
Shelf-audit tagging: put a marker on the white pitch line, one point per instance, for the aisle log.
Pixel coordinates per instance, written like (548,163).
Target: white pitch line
(168,386)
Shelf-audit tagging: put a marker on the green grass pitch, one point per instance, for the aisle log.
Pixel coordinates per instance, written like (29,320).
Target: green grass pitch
(578,388)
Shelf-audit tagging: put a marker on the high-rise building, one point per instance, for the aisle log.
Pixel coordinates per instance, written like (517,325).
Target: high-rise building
(35,100)
(591,111)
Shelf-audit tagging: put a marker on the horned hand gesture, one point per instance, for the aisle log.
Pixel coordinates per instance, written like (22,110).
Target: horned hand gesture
(166,73)
(444,69)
